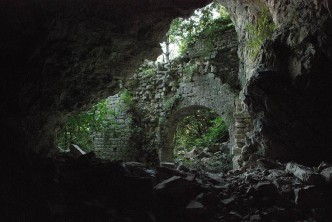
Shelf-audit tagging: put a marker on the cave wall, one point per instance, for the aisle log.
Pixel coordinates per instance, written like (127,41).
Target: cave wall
(58,57)
(113,144)
(287,87)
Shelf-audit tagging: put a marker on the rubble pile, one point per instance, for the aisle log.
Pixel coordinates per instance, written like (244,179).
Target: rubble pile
(214,158)
(84,188)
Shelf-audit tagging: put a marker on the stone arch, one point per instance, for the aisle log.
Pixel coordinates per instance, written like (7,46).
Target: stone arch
(194,96)
(167,151)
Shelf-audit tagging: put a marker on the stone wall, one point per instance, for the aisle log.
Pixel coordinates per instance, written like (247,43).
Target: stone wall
(243,125)
(162,94)
(115,142)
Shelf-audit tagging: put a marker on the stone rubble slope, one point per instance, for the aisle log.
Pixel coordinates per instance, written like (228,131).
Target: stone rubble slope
(85,188)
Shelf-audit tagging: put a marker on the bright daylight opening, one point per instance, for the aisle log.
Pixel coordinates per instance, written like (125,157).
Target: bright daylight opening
(183,32)
(201,142)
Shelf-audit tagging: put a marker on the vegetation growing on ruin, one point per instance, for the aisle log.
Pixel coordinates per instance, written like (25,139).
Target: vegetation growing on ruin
(126,99)
(189,70)
(170,102)
(195,137)
(203,25)
(80,128)
(260,31)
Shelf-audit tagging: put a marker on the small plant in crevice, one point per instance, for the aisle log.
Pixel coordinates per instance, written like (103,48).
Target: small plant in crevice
(189,70)
(171,102)
(148,71)
(260,31)
(126,99)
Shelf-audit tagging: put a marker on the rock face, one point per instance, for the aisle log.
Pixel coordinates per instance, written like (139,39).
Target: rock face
(287,87)
(60,56)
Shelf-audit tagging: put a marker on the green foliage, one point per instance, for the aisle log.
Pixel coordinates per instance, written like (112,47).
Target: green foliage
(80,128)
(126,99)
(202,25)
(261,31)
(202,128)
(170,102)
(215,133)
(198,131)
(190,69)
(148,71)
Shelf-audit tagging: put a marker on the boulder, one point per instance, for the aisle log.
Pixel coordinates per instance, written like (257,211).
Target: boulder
(305,174)
(267,163)
(195,211)
(323,165)
(308,197)
(327,174)
(214,177)
(228,201)
(267,189)
(175,191)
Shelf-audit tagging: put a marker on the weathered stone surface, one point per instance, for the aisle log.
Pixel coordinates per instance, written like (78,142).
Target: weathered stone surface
(323,165)
(308,197)
(327,174)
(306,174)
(287,86)
(60,57)
(195,209)
(214,176)
(228,201)
(174,191)
(267,189)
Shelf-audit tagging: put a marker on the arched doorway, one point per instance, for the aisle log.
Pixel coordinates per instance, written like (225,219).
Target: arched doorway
(193,129)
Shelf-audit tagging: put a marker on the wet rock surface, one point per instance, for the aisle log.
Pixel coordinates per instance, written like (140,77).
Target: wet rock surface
(89,189)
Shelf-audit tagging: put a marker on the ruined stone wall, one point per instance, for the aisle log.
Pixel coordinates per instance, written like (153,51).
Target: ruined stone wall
(113,143)
(192,82)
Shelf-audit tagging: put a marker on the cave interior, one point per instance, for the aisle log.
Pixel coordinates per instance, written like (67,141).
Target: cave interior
(59,57)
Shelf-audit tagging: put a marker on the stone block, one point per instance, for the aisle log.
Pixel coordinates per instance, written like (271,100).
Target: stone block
(240,136)
(240,125)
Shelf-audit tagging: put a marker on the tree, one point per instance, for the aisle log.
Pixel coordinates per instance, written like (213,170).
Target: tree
(201,25)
